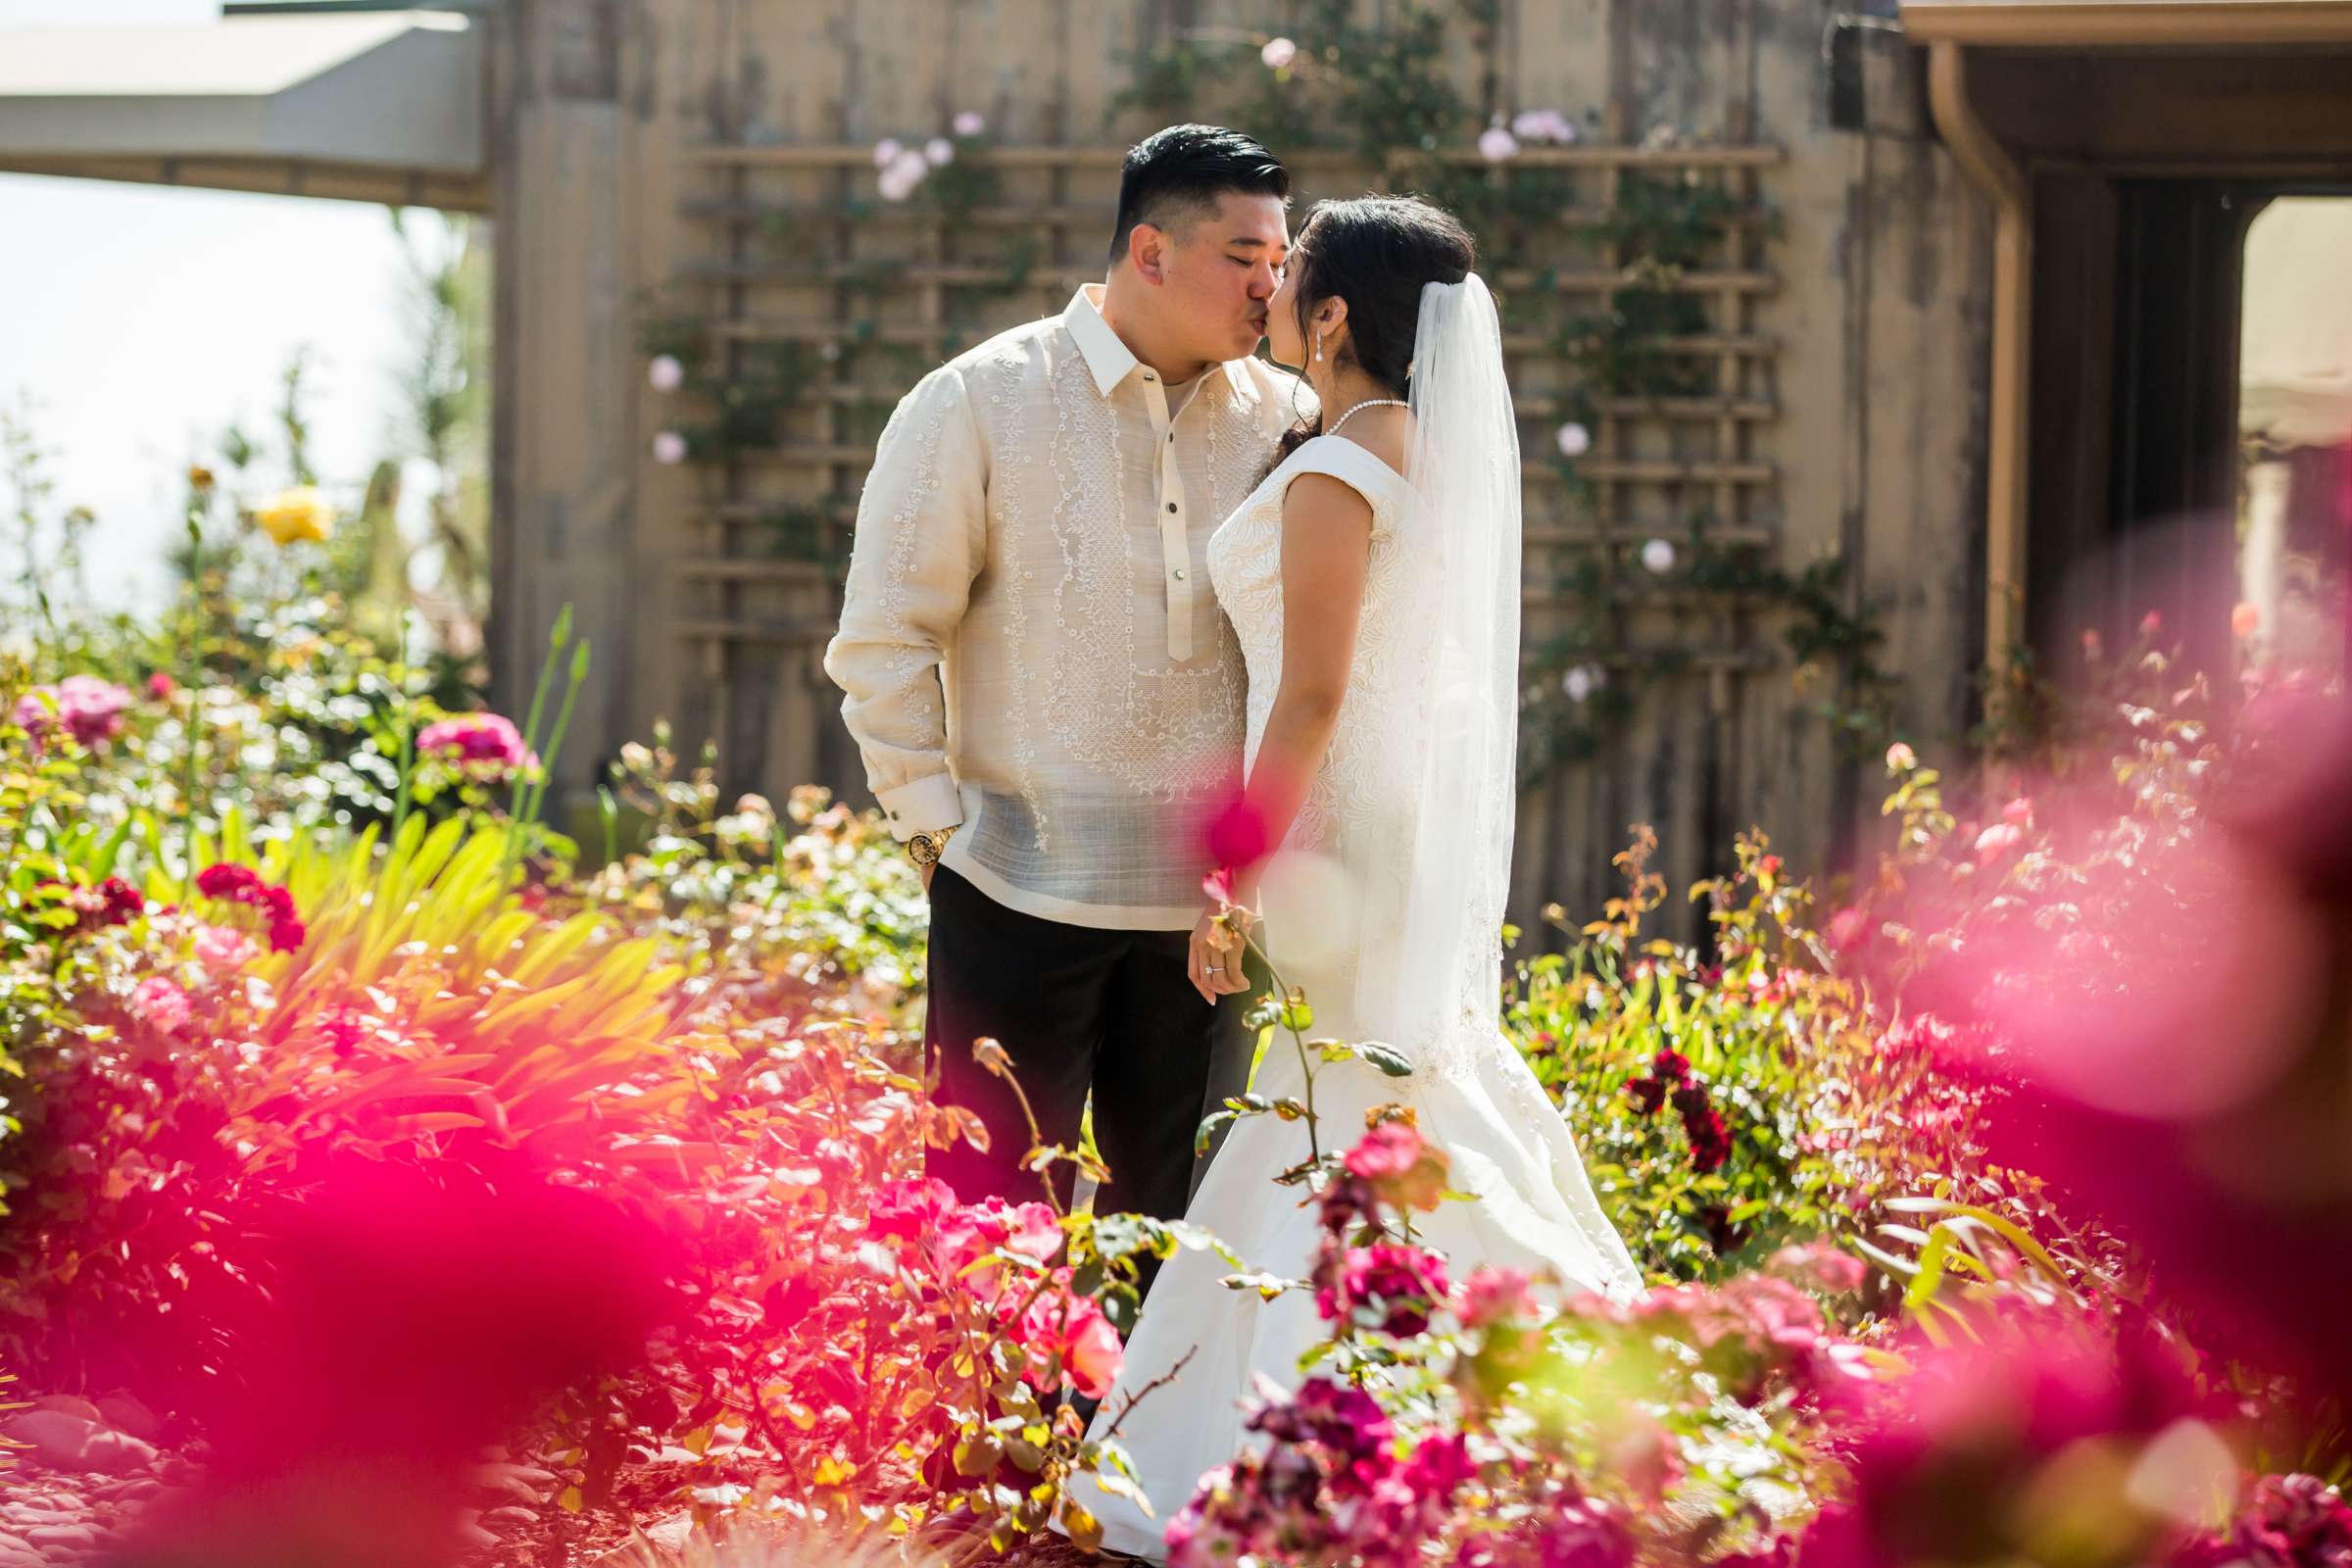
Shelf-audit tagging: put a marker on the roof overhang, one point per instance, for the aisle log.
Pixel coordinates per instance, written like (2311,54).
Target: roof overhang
(374,107)
(2129,23)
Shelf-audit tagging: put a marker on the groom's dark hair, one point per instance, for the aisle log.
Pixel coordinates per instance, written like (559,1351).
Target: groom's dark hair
(1178,173)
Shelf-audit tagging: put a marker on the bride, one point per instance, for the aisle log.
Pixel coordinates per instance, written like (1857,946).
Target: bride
(1373,582)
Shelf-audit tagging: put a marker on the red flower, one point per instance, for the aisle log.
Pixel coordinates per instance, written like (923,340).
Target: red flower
(286,935)
(122,901)
(1671,1065)
(228,881)
(1646,1094)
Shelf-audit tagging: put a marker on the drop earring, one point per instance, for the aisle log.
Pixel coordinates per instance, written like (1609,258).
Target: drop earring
(1318,348)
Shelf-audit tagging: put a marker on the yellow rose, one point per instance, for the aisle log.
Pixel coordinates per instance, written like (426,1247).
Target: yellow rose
(300,512)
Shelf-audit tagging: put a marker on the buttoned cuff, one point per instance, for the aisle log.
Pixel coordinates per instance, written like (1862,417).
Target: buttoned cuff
(923,807)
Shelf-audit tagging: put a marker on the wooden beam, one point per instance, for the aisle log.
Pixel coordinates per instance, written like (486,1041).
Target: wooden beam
(823,155)
(1989,164)
(2127,24)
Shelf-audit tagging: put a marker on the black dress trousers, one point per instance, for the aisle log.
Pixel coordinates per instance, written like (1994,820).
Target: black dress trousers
(1077,1008)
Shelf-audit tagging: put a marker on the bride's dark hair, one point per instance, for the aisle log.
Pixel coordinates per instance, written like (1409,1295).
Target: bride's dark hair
(1377,252)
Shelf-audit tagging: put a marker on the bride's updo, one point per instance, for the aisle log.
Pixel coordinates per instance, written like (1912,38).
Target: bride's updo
(1376,252)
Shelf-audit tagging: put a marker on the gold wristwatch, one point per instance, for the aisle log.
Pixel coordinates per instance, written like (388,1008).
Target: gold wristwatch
(924,847)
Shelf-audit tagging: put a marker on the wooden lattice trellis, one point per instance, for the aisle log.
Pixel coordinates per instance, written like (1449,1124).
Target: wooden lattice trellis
(803,258)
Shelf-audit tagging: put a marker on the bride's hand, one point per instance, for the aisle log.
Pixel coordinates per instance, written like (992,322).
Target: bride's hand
(1215,959)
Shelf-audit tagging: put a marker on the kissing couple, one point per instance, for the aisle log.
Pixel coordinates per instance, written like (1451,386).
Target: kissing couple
(1119,579)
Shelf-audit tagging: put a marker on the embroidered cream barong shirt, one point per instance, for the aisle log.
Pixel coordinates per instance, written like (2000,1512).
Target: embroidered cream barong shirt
(1029,642)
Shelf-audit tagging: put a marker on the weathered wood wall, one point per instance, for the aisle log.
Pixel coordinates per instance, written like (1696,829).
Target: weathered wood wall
(700,151)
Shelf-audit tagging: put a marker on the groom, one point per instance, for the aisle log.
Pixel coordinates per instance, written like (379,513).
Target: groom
(1047,698)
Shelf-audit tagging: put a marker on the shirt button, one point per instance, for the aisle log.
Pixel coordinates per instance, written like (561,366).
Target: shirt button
(1171,438)
(1149,377)
(1180,575)
(1171,506)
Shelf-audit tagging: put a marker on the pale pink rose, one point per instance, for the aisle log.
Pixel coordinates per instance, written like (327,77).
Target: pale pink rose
(664,373)
(970,122)
(1278,54)
(886,152)
(1574,440)
(160,1004)
(2020,812)
(1997,841)
(224,949)
(1900,759)
(669,448)
(939,152)
(1658,556)
(1497,145)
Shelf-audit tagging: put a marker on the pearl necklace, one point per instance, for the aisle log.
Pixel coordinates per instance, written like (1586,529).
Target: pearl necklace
(1369,403)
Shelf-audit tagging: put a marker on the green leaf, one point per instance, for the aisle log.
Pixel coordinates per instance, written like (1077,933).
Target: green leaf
(1388,1058)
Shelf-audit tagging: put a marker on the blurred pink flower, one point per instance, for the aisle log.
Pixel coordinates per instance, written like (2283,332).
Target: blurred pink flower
(1823,1266)
(1278,54)
(489,742)
(1496,144)
(1998,840)
(1494,1295)
(160,1004)
(1847,929)
(161,686)
(669,448)
(89,708)
(970,122)
(1900,759)
(2151,623)
(224,949)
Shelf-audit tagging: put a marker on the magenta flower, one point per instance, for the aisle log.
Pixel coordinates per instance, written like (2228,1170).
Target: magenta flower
(1402,1284)
(487,743)
(2289,1521)
(88,708)
(911,1210)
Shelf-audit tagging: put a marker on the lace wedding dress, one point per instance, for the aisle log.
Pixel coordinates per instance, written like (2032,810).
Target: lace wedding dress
(1346,919)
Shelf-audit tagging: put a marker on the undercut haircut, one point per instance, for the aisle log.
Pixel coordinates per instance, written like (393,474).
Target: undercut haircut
(1177,175)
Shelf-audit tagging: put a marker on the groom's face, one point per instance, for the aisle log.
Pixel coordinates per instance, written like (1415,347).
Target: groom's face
(1220,272)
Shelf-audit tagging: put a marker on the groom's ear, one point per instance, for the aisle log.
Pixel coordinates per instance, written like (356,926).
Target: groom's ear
(1148,252)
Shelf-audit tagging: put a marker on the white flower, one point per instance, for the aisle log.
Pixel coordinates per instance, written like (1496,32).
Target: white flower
(669,448)
(1574,440)
(939,152)
(1658,556)
(1581,682)
(1278,53)
(1497,145)
(970,122)
(664,372)
(1542,125)
(886,152)
(906,171)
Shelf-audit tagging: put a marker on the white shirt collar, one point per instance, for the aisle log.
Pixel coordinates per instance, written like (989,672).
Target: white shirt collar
(1109,359)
